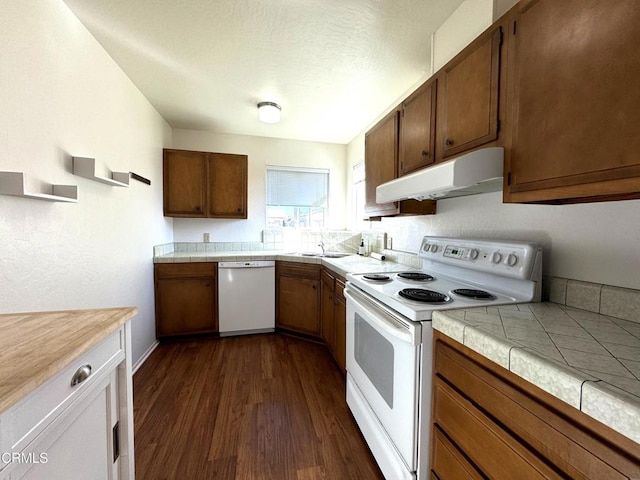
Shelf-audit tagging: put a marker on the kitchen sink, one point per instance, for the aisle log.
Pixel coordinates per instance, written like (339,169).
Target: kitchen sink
(325,255)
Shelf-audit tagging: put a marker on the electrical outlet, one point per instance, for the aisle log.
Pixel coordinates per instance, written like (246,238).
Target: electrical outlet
(207,237)
(389,243)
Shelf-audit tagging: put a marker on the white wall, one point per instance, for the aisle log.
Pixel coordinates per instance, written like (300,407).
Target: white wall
(597,242)
(469,20)
(62,95)
(262,151)
(594,242)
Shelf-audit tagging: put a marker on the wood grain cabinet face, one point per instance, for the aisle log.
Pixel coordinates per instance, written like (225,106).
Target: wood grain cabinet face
(417,129)
(334,316)
(185,187)
(298,298)
(227,185)
(575,101)
(381,165)
(204,184)
(186,299)
(340,326)
(381,159)
(327,308)
(468,91)
(489,421)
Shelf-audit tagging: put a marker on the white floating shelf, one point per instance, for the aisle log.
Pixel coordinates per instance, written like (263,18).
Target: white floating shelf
(86,167)
(12,183)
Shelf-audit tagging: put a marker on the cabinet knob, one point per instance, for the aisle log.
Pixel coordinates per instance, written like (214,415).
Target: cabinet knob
(425,153)
(448,142)
(81,375)
(239,210)
(197,209)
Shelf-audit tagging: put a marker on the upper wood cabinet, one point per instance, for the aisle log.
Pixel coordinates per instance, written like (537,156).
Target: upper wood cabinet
(575,102)
(381,165)
(204,184)
(468,93)
(185,183)
(381,157)
(417,129)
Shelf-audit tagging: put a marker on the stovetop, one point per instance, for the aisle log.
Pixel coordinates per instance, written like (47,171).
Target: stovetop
(458,273)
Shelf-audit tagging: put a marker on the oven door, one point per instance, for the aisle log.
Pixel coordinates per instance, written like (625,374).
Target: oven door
(383,351)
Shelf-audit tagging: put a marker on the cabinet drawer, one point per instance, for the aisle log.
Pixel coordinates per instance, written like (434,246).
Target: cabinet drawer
(163,270)
(27,419)
(447,462)
(489,447)
(311,271)
(564,436)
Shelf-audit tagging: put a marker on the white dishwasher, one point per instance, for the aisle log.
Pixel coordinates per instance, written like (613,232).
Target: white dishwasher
(246,297)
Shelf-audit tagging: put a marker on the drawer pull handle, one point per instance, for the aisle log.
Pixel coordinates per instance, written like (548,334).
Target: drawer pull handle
(81,375)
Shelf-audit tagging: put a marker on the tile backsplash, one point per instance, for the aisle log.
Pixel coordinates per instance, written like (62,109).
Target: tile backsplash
(300,241)
(607,300)
(271,241)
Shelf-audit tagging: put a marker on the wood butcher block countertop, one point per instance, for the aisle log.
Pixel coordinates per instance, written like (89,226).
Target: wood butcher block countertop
(36,346)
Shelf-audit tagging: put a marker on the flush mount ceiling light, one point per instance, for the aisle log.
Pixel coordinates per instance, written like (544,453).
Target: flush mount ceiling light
(269,112)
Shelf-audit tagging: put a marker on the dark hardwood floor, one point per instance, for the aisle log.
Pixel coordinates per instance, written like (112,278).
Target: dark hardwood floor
(266,407)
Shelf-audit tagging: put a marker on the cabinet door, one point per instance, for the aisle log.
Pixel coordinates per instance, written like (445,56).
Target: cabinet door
(298,304)
(340,326)
(185,183)
(417,129)
(468,89)
(380,165)
(77,446)
(575,102)
(381,158)
(227,186)
(298,297)
(186,299)
(326,307)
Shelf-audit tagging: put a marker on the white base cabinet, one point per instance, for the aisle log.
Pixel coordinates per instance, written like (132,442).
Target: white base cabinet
(83,432)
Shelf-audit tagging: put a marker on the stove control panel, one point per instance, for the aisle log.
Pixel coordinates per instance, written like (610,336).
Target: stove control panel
(461,253)
(511,259)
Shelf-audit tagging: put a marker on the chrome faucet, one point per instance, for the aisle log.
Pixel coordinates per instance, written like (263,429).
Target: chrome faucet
(321,245)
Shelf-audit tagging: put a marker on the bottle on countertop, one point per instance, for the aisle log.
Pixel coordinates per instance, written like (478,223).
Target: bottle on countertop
(361,249)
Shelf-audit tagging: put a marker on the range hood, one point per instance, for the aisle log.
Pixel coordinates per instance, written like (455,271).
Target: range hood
(477,172)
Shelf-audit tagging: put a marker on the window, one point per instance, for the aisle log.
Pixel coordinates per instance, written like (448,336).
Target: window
(297,197)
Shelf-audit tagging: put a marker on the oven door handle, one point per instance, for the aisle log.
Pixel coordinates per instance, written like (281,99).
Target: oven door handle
(383,318)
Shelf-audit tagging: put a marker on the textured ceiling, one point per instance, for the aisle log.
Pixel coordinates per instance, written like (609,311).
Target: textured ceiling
(333,65)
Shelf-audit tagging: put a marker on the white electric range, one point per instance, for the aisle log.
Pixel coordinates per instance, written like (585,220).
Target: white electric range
(389,336)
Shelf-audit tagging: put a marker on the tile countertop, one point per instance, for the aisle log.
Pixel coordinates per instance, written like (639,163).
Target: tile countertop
(588,360)
(349,264)
(36,346)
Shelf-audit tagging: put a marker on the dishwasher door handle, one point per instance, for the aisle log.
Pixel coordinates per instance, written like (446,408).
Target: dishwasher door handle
(247,264)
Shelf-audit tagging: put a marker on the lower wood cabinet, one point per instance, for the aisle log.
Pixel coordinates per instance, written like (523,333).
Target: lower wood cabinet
(490,423)
(334,316)
(298,298)
(186,299)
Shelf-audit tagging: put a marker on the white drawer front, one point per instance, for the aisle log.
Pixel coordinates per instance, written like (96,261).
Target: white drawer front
(30,416)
